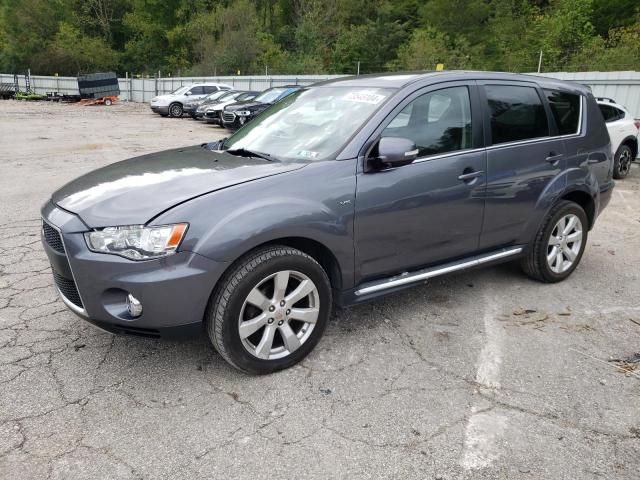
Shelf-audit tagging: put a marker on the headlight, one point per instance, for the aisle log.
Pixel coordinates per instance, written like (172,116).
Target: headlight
(243,113)
(137,242)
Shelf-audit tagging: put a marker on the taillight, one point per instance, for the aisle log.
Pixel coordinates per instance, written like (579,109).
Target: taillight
(637,124)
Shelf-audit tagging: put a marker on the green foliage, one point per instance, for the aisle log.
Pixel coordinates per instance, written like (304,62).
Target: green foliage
(206,37)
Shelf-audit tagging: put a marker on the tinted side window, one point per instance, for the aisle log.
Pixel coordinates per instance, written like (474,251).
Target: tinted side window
(611,114)
(197,90)
(517,113)
(438,122)
(566,110)
(210,89)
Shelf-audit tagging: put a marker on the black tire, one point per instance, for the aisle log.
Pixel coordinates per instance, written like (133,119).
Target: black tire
(535,263)
(108,102)
(223,313)
(622,162)
(175,110)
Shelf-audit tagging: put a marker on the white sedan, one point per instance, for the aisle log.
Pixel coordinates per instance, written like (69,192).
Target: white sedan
(623,131)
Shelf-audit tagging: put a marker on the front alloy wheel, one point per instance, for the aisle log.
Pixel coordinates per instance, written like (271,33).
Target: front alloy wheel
(279,315)
(175,110)
(269,310)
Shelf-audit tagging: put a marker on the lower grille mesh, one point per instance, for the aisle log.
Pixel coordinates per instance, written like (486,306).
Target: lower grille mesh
(68,289)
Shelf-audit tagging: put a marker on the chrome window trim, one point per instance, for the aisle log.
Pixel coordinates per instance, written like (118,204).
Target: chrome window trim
(66,301)
(448,154)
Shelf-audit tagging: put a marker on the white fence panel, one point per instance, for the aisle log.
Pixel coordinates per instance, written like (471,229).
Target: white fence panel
(623,87)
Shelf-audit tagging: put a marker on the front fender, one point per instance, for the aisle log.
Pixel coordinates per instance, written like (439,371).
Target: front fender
(315,202)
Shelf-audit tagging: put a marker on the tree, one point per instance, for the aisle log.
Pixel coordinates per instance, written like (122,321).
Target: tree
(428,47)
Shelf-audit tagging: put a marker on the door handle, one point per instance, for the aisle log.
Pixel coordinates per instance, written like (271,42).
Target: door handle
(554,157)
(470,175)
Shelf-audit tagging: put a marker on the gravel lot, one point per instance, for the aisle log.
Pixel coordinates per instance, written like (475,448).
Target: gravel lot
(486,374)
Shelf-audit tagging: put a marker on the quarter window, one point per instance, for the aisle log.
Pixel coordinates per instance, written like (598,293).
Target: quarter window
(516,113)
(438,122)
(611,114)
(566,110)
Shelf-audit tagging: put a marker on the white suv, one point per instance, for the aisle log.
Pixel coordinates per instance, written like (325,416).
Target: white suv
(172,104)
(623,131)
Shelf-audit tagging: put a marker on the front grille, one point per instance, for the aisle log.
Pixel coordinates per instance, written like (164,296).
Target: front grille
(52,237)
(229,117)
(212,113)
(68,289)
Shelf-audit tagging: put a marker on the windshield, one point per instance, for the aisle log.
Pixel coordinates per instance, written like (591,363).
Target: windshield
(309,124)
(215,95)
(270,95)
(180,90)
(245,96)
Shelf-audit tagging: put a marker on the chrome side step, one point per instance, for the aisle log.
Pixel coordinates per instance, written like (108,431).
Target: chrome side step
(407,278)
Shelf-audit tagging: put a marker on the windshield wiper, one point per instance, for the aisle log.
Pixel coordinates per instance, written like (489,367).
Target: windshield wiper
(243,152)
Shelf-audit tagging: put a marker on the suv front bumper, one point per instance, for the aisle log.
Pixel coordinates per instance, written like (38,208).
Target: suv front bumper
(174,290)
(161,109)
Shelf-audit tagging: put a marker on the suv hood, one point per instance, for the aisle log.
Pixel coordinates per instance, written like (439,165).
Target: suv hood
(134,191)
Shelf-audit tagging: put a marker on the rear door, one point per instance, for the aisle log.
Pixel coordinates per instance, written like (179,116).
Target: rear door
(197,92)
(524,154)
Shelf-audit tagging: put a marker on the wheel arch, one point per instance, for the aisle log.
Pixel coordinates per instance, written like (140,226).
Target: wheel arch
(585,200)
(315,249)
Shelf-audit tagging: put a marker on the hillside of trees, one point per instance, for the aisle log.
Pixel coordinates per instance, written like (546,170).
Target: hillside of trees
(206,37)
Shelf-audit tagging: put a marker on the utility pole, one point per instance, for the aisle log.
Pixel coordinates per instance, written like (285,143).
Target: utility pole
(358,72)
(540,62)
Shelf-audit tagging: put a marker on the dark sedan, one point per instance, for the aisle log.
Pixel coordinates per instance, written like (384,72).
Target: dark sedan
(236,115)
(212,113)
(192,107)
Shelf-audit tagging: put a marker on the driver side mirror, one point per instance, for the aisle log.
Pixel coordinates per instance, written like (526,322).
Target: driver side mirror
(393,152)
(188,93)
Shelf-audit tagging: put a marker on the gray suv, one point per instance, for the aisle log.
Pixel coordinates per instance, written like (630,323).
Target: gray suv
(343,191)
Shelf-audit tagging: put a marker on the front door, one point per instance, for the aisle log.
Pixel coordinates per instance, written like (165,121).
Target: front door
(430,210)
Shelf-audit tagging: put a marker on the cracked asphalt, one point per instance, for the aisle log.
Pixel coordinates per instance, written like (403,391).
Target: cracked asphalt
(485,374)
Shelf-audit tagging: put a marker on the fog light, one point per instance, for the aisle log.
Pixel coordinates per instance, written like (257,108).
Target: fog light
(134,307)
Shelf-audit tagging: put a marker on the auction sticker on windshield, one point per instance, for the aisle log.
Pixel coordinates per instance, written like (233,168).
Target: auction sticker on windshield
(307,154)
(364,96)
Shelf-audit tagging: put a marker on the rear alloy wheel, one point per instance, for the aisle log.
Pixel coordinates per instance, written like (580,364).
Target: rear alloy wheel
(559,244)
(564,243)
(622,162)
(269,310)
(175,110)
